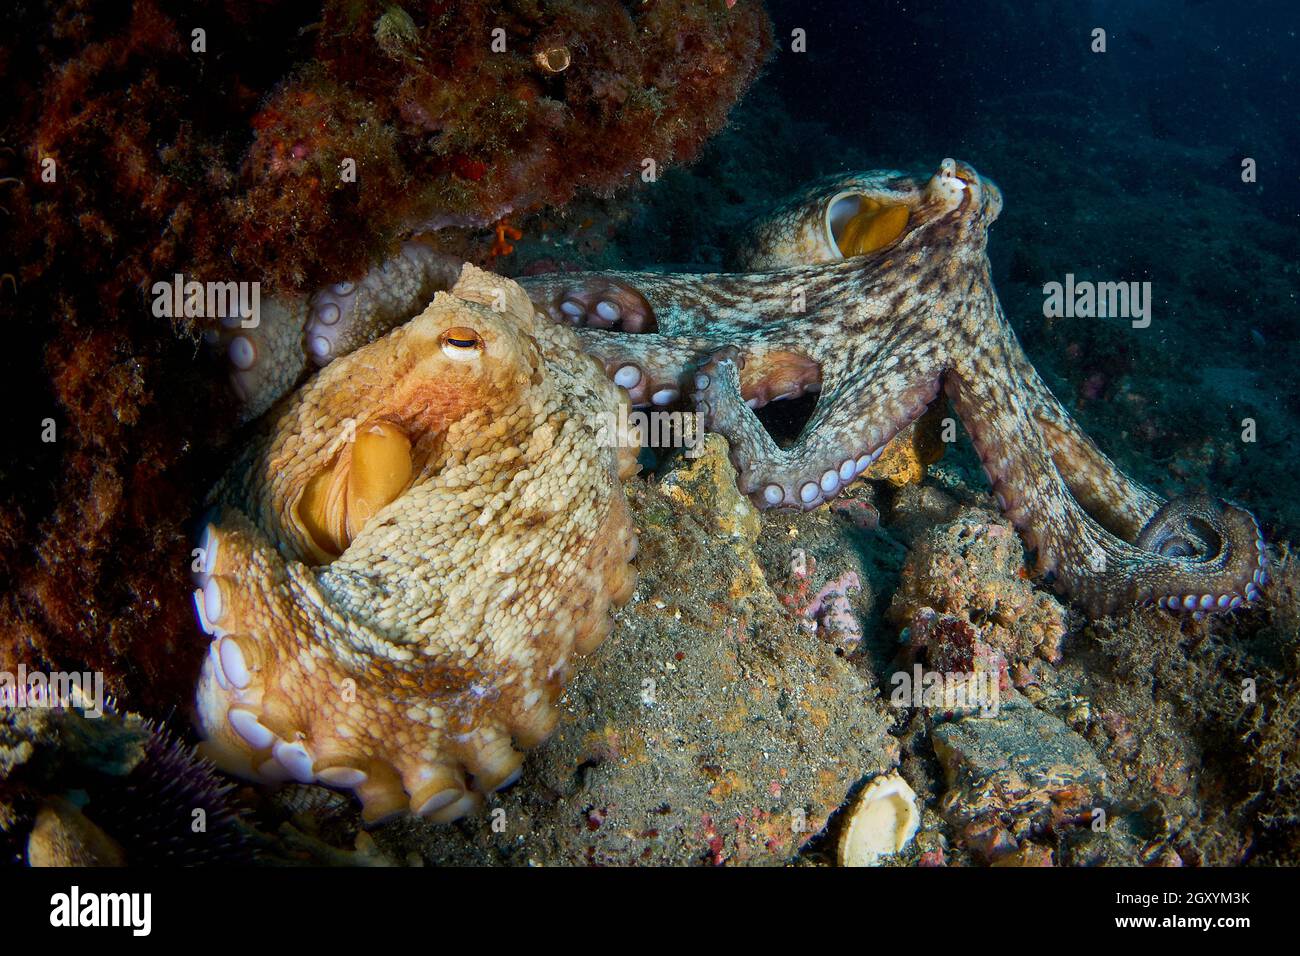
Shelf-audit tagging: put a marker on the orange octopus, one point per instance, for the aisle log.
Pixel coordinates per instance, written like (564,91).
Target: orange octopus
(401,568)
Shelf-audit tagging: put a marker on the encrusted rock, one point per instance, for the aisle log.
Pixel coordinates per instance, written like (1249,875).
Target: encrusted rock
(1018,773)
(973,568)
(826,611)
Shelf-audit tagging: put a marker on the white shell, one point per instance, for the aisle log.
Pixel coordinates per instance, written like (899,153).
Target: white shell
(883,821)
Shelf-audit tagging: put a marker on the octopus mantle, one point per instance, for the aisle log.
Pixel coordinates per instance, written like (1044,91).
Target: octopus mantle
(402,566)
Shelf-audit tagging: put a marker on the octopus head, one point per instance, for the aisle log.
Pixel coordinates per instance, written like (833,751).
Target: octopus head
(870,213)
(834,219)
(454,379)
(461,357)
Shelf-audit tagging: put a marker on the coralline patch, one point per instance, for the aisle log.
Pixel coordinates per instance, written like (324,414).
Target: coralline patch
(404,565)
(827,611)
(451,112)
(474,111)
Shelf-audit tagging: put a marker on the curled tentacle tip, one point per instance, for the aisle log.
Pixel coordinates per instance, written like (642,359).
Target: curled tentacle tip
(1208,556)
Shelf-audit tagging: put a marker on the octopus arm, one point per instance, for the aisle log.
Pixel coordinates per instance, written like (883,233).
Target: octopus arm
(1194,553)
(848,430)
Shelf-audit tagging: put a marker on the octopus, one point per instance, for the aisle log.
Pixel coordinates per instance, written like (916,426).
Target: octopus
(872,290)
(404,564)
(875,292)
(400,569)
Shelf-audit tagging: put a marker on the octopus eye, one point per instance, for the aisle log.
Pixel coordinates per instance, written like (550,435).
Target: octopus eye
(859,224)
(461,343)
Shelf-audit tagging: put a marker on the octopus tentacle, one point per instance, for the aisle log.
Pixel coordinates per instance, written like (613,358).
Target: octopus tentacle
(293,334)
(265,355)
(346,315)
(654,370)
(714,306)
(1115,501)
(770,372)
(847,432)
(1226,562)
(1102,571)
(1218,540)
(600,302)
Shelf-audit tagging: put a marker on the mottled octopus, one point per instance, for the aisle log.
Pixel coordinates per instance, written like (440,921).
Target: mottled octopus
(402,566)
(872,290)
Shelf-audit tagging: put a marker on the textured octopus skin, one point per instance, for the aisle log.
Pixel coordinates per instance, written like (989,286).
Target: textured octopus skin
(294,335)
(881,335)
(403,643)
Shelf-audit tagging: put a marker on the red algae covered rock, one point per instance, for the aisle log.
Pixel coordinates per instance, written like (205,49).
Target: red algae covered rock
(285,143)
(971,571)
(462,113)
(294,142)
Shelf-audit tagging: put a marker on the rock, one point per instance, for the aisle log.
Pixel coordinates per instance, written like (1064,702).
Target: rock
(709,728)
(963,672)
(705,487)
(1029,854)
(904,460)
(973,568)
(45,745)
(62,836)
(1020,772)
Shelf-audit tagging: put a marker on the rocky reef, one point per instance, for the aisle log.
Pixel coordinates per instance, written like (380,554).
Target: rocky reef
(753,703)
(81,788)
(287,144)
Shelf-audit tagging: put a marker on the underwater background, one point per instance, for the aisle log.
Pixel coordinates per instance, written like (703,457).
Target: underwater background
(1122,165)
